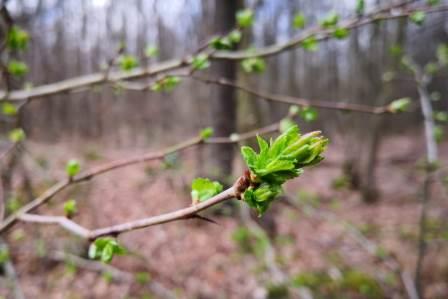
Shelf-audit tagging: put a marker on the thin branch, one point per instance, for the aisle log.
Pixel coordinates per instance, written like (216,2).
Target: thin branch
(389,12)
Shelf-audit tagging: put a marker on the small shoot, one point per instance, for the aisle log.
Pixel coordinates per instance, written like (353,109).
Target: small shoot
(9,109)
(17,39)
(399,105)
(128,62)
(203,189)
(418,17)
(70,208)
(253,65)
(299,21)
(245,18)
(72,168)
(308,114)
(310,44)
(16,135)
(166,84)
(151,51)
(330,21)
(206,133)
(200,62)
(104,249)
(17,68)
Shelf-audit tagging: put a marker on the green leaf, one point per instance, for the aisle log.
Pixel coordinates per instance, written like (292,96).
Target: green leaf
(341,33)
(310,44)
(16,135)
(330,20)
(104,249)
(442,54)
(221,43)
(299,21)
(396,50)
(253,65)
(17,68)
(206,133)
(418,17)
(128,62)
(203,189)
(151,51)
(245,18)
(200,62)
(285,124)
(309,114)
(360,7)
(261,197)
(399,105)
(431,68)
(70,208)
(9,109)
(234,36)
(17,39)
(438,134)
(72,168)
(166,84)
(441,116)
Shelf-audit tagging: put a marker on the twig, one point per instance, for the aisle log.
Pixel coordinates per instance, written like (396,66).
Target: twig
(386,13)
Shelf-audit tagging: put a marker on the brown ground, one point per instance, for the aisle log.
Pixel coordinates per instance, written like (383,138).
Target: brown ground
(200,260)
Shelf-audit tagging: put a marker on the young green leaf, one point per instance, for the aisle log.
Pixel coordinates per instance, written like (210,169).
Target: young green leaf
(253,65)
(399,105)
(16,135)
(104,249)
(234,36)
(17,39)
(285,124)
(166,84)
(128,62)
(330,20)
(17,68)
(203,189)
(310,44)
(261,197)
(200,62)
(9,109)
(245,18)
(221,43)
(396,50)
(340,33)
(151,51)
(441,116)
(418,17)
(309,114)
(360,7)
(206,133)
(72,168)
(299,21)
(70,208)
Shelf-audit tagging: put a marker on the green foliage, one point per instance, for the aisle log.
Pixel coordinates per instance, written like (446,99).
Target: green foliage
(104,249)
(166,84)
(200,62)
(293,110)
(399,105)
(299,21)
(13,204)
(438,134)
(253,65)
(441,116)
(203,189)
(418,17)
(308,114)
(151,51)
(16,135)
(17,68)
(285,124)
(128,62)
(245,18)
(360,7)
(310,44)
(341,33)
(17,39)
(280,160)
(142,277)
(9,109)
(226,42)
(206,133)
(396,50)
(235,36)
(330,20)
(431,68)
(442,54)
(72,168)
(70,208)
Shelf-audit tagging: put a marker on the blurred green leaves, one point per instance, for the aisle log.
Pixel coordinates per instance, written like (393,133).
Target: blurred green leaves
(72,168)
(128,62)
(253,65)
(200,62)
(151,51)
(17,39)
(70,208)
(245,18)
(104,249)
(310,44)
(399,105)
(166,84)
(9,109)
(330,21)
(16,135)
(299,21)
(418,17)
(203,189)
(17,68)
(206,133)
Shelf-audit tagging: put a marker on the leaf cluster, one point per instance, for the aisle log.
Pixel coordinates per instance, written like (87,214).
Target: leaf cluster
(203,189)
(104,249)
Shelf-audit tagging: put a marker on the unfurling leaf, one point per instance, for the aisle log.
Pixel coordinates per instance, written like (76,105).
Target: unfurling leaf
(203,189)
(17,68)
(399,105)
(70,208)
(341,33)
(72,168)
(299,21)
(166,84)
(151,51)
(253,65)
(330,20)
(418,17)
(310,44)
(104,249)
(200,62)
(16,135)
(309,114)
(128,62)
(245,18)
(17,39)
(206,133)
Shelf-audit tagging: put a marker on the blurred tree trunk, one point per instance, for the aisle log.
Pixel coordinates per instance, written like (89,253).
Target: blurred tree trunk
(223,104)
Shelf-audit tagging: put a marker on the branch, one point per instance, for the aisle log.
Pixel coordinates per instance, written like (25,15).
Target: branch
(115,230)
(87,175)
(389,12)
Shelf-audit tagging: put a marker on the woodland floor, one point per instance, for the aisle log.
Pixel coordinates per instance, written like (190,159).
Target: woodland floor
(195,259)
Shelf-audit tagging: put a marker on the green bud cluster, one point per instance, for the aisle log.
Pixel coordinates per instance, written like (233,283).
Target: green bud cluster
(282,159)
